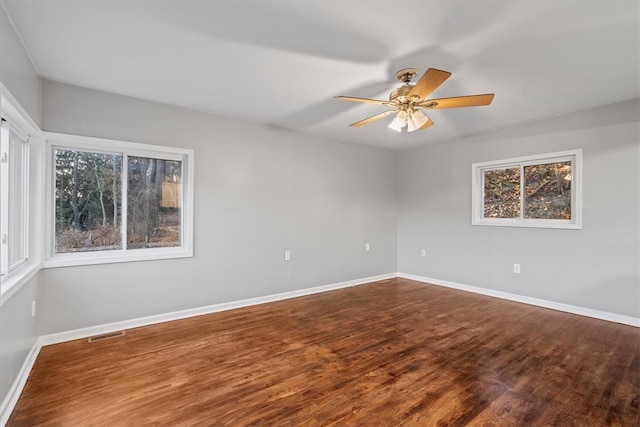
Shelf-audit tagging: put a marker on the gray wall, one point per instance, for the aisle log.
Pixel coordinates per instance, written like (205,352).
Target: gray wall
(259,190)
(596,267)
(18,330)
(17,72)
(18,333)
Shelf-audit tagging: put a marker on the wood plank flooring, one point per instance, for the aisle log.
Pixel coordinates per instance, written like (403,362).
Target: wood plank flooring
(394,352)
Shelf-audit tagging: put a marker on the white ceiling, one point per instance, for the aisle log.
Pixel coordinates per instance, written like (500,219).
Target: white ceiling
(281,62)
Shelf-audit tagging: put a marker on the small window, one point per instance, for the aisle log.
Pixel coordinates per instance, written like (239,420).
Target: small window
(534,191)
(132,202)
(13,198)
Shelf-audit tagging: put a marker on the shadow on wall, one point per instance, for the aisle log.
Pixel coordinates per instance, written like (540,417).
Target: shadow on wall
(614,114)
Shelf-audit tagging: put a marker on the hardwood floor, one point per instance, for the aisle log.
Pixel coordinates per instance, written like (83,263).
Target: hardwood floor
(394,352)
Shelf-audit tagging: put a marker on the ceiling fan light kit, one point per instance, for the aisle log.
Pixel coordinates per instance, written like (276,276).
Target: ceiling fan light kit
(408,100)
(399,121)
(417,119)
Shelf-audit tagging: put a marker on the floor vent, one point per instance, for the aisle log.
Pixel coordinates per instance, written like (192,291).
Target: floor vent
(106,336)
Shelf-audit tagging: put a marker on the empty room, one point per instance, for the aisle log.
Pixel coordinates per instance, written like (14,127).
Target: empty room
(314,213)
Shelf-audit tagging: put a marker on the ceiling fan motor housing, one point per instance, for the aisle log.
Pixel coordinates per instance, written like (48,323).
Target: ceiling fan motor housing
(406,74)
(400,93)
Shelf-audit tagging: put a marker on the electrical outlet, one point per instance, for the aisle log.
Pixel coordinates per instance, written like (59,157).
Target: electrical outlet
(287,255)
(33,308)
(516,268)
(367,247)
(423,252)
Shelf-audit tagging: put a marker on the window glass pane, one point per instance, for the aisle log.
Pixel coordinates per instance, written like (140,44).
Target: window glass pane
(153,202)
(548,191)
(17,200)
(502,193)
(87,201)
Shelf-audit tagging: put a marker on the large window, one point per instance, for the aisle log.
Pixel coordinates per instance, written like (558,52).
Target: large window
(113,201)
(534,191)
(13,198)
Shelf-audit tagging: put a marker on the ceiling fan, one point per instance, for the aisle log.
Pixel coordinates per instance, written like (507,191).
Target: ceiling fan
(409,100)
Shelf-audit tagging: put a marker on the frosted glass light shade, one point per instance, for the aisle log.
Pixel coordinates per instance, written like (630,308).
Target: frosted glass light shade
(399,121)
(418,118)
(411,125)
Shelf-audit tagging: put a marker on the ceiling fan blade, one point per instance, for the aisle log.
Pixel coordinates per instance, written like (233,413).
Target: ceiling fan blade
(429,82)
(458,101)
(429,123)
(372,118)
(365,100)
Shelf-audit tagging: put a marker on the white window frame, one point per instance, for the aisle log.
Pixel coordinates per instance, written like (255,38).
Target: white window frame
(108,146)
(7,176)
(477,190)
(19,119)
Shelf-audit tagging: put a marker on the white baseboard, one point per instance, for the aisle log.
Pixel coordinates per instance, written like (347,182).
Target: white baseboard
(12,397)
(183,314)
(176,315)
(583,311)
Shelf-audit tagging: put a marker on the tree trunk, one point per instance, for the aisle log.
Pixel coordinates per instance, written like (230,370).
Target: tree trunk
(104,212)
(114,190)
(74,196)
(59,207)
(150,208)
(160,170)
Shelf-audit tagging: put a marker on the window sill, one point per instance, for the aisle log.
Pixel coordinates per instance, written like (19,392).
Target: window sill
(545,223)
(92,258)
(13,281)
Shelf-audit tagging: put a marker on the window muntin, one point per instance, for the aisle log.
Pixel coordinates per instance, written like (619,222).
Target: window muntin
(14,198)
(533,191)
(150,218)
